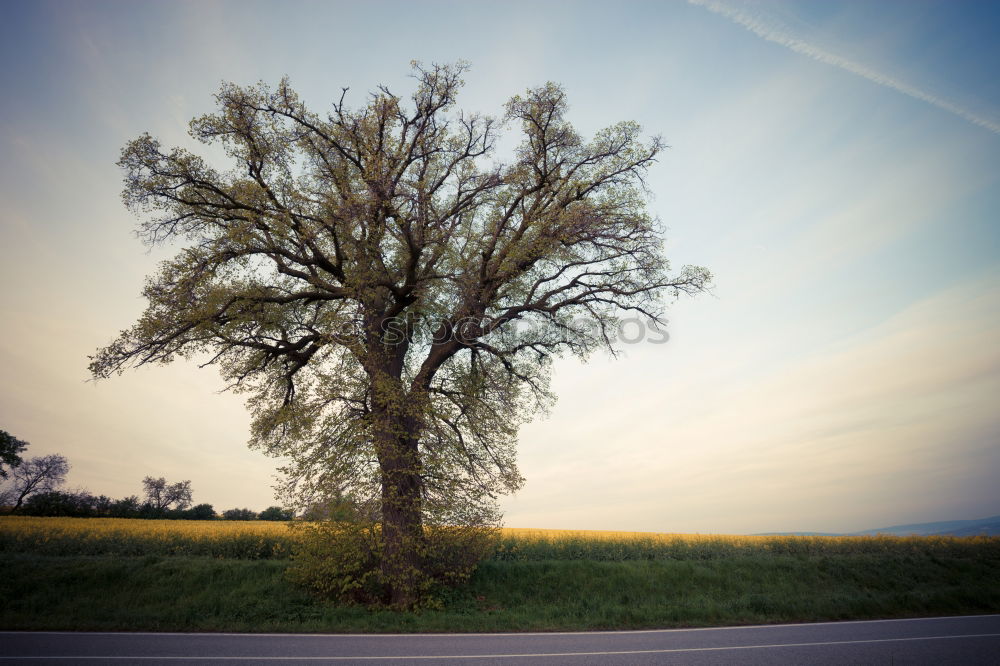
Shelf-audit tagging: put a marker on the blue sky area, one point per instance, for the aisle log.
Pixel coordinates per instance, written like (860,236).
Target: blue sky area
(835,164)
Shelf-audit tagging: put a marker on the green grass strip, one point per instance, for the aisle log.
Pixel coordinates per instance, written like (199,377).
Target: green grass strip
(177,593)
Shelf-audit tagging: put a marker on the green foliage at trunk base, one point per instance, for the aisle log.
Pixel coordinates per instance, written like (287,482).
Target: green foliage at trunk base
(346,562)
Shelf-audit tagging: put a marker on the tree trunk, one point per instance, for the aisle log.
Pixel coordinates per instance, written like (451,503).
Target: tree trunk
(397,426)
(402,526)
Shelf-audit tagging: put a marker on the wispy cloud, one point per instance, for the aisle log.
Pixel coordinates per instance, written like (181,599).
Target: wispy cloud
(773,31)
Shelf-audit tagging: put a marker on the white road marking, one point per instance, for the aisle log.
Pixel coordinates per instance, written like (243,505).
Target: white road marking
(510,656)
(512,634)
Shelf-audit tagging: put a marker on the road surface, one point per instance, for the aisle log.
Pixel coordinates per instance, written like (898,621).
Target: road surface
(949,640)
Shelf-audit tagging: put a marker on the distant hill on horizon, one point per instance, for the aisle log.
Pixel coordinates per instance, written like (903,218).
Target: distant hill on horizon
(979,527)
(983,526)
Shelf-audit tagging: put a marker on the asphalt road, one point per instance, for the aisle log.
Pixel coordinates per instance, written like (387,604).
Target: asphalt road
(949,640)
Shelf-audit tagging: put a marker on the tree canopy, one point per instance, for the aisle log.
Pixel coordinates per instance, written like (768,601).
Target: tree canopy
(387,291)
(10,447)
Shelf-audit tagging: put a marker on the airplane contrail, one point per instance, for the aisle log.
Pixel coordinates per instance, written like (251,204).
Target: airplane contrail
(764,28)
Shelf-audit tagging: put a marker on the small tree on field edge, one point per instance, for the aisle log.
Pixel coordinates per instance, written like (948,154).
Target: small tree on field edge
(161,496)
(41,474)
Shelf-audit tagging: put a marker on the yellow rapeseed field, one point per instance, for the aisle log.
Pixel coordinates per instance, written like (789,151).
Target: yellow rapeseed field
(520,543)
(530,533)
(132,536)
(259,539)
(148,529)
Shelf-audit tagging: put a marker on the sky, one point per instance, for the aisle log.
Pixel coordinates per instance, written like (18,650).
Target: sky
(836,165)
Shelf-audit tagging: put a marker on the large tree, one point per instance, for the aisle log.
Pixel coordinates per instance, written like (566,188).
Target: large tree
(387,292)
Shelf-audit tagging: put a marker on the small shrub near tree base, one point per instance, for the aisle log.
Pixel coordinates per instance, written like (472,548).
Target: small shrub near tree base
(343,561)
